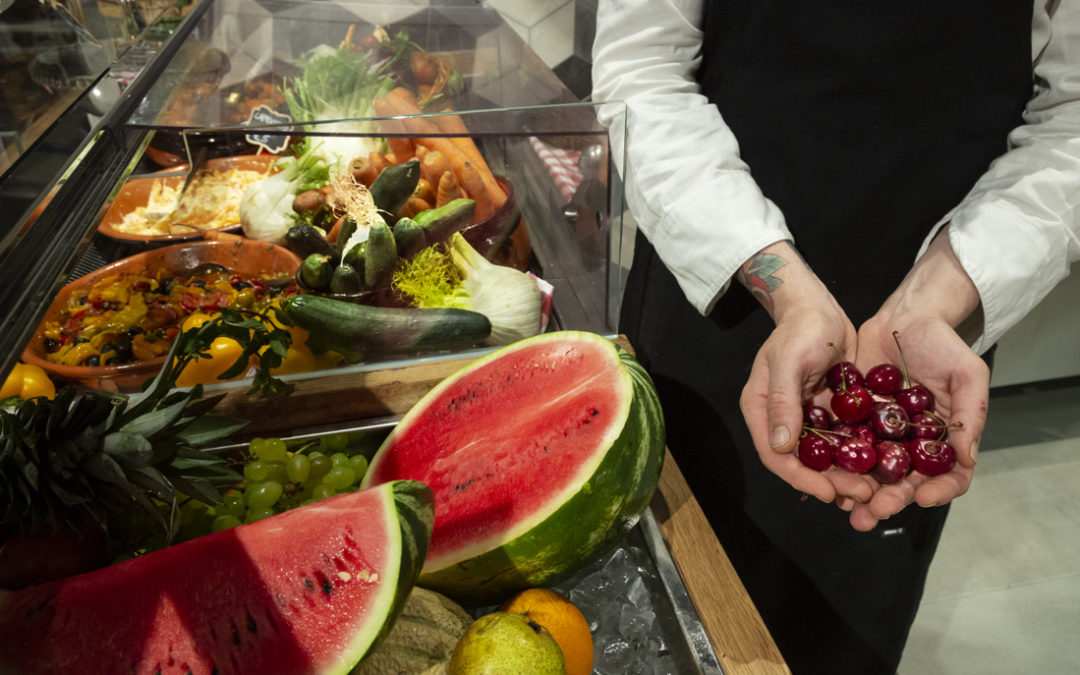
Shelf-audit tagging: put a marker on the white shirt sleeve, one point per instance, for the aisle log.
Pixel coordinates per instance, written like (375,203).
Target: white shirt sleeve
(689,191)
(1018,230)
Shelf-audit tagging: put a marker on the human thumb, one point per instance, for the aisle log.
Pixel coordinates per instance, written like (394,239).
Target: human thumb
(784,411)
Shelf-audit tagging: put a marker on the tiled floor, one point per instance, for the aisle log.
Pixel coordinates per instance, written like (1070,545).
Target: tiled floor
(1003,594)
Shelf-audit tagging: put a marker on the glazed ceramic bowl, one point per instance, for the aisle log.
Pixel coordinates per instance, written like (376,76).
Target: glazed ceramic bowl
(136,193)
(243,256)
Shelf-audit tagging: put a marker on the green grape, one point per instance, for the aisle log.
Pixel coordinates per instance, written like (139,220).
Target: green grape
(340,477)
(256,470)
(255,447)
(322,491)
(339,459)
(258,514)
(274,450)
(320,465)
(277,472)
(224,522)
(233,505)
(337,442)
(359,464)
(264,495)
(298,468)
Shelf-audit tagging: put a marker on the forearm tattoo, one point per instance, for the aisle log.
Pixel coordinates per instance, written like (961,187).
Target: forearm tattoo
(758,275)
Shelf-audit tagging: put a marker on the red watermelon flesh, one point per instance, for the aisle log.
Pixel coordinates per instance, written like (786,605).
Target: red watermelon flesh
(306,591)
(516,436)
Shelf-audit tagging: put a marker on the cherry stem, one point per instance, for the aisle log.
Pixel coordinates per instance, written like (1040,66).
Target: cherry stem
(903,363)
(824,432)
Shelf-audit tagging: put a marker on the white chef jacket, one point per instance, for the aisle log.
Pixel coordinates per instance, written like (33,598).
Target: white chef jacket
(1015,233)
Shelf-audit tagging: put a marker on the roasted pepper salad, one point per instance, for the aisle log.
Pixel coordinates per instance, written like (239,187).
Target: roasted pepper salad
(125,318)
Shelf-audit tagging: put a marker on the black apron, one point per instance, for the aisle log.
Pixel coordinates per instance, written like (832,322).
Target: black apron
(865,122)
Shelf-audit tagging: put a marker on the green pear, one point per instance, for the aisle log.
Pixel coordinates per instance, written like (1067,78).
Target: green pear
(505,642)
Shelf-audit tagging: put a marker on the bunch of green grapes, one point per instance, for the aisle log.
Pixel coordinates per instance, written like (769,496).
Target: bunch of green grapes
(277,479)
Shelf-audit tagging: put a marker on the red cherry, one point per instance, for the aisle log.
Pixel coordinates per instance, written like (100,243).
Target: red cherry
(855,456)
(889,420)
(884,379)
(932,457)
(851,376)
(926,424)
(816,416)
(855,431)
(915,399)
(853,405)
(816,452)
(893,462)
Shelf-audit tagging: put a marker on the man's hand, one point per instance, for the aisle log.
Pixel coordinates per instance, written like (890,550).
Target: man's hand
(811,333)
(935,297)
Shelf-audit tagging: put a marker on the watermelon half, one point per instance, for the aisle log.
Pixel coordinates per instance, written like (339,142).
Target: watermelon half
(540,455)
(310,590)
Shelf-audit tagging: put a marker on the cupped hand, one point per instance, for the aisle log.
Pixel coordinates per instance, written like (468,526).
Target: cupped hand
(940,360)
(812,332)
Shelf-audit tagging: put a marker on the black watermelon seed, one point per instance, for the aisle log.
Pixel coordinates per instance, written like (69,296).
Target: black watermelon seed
(310,586)
(326,587)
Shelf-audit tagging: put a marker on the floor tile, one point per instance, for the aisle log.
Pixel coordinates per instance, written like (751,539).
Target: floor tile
(1025,629)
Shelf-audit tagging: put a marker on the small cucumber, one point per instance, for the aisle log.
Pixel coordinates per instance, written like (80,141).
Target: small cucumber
(381,256)
(348,227)
(359,331)
(316,271)
(442,222)
(393,187)
(355,257)
(409,237)
(346,280)
(303,240)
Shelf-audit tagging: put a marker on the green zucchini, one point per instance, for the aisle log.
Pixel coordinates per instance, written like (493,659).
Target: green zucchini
(303,240)
(442,222)
(393,187)
(316,271)
(409,237)
(381,256)
(346,280)
(360,331)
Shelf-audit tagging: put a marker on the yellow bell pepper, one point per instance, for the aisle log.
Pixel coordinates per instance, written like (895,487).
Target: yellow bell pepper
(205,370)
(27,381)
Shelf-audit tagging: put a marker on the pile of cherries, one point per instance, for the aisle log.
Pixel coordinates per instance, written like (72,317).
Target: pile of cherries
(884,426)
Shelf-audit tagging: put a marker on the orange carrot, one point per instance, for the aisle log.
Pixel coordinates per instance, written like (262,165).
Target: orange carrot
(377,161)
(400,146)
(413,206)
(448,190)
(422,129)
(453,124)
(423,190)
(420,151)
(475,188)
(363,171)
(218,235)
(433,167)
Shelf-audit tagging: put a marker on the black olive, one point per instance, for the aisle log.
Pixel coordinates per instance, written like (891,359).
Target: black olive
(108,347)
(109,359)
(201,283)
(165,284)
(80,340)
(133,331)
(94,360)
(51,345)
(241,284)
(83,299)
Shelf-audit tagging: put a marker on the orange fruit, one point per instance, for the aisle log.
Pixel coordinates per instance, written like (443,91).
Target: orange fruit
(563,620)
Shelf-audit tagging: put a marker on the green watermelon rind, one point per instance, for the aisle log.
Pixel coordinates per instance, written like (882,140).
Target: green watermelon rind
(408,519)
(553,546)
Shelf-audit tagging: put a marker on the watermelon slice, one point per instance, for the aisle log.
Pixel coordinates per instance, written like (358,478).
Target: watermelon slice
(540,455)
(310,590)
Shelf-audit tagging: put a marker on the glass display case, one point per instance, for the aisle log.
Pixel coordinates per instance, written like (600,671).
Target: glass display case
(219,90)
(230,85)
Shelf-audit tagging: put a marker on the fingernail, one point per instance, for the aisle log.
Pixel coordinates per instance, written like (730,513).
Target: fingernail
(974,449)
(780,436)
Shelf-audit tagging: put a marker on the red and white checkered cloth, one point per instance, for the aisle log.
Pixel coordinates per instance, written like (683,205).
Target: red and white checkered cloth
(562,164)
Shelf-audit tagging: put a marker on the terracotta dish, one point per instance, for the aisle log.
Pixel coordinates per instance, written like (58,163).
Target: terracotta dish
(245,257)
(136,193)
